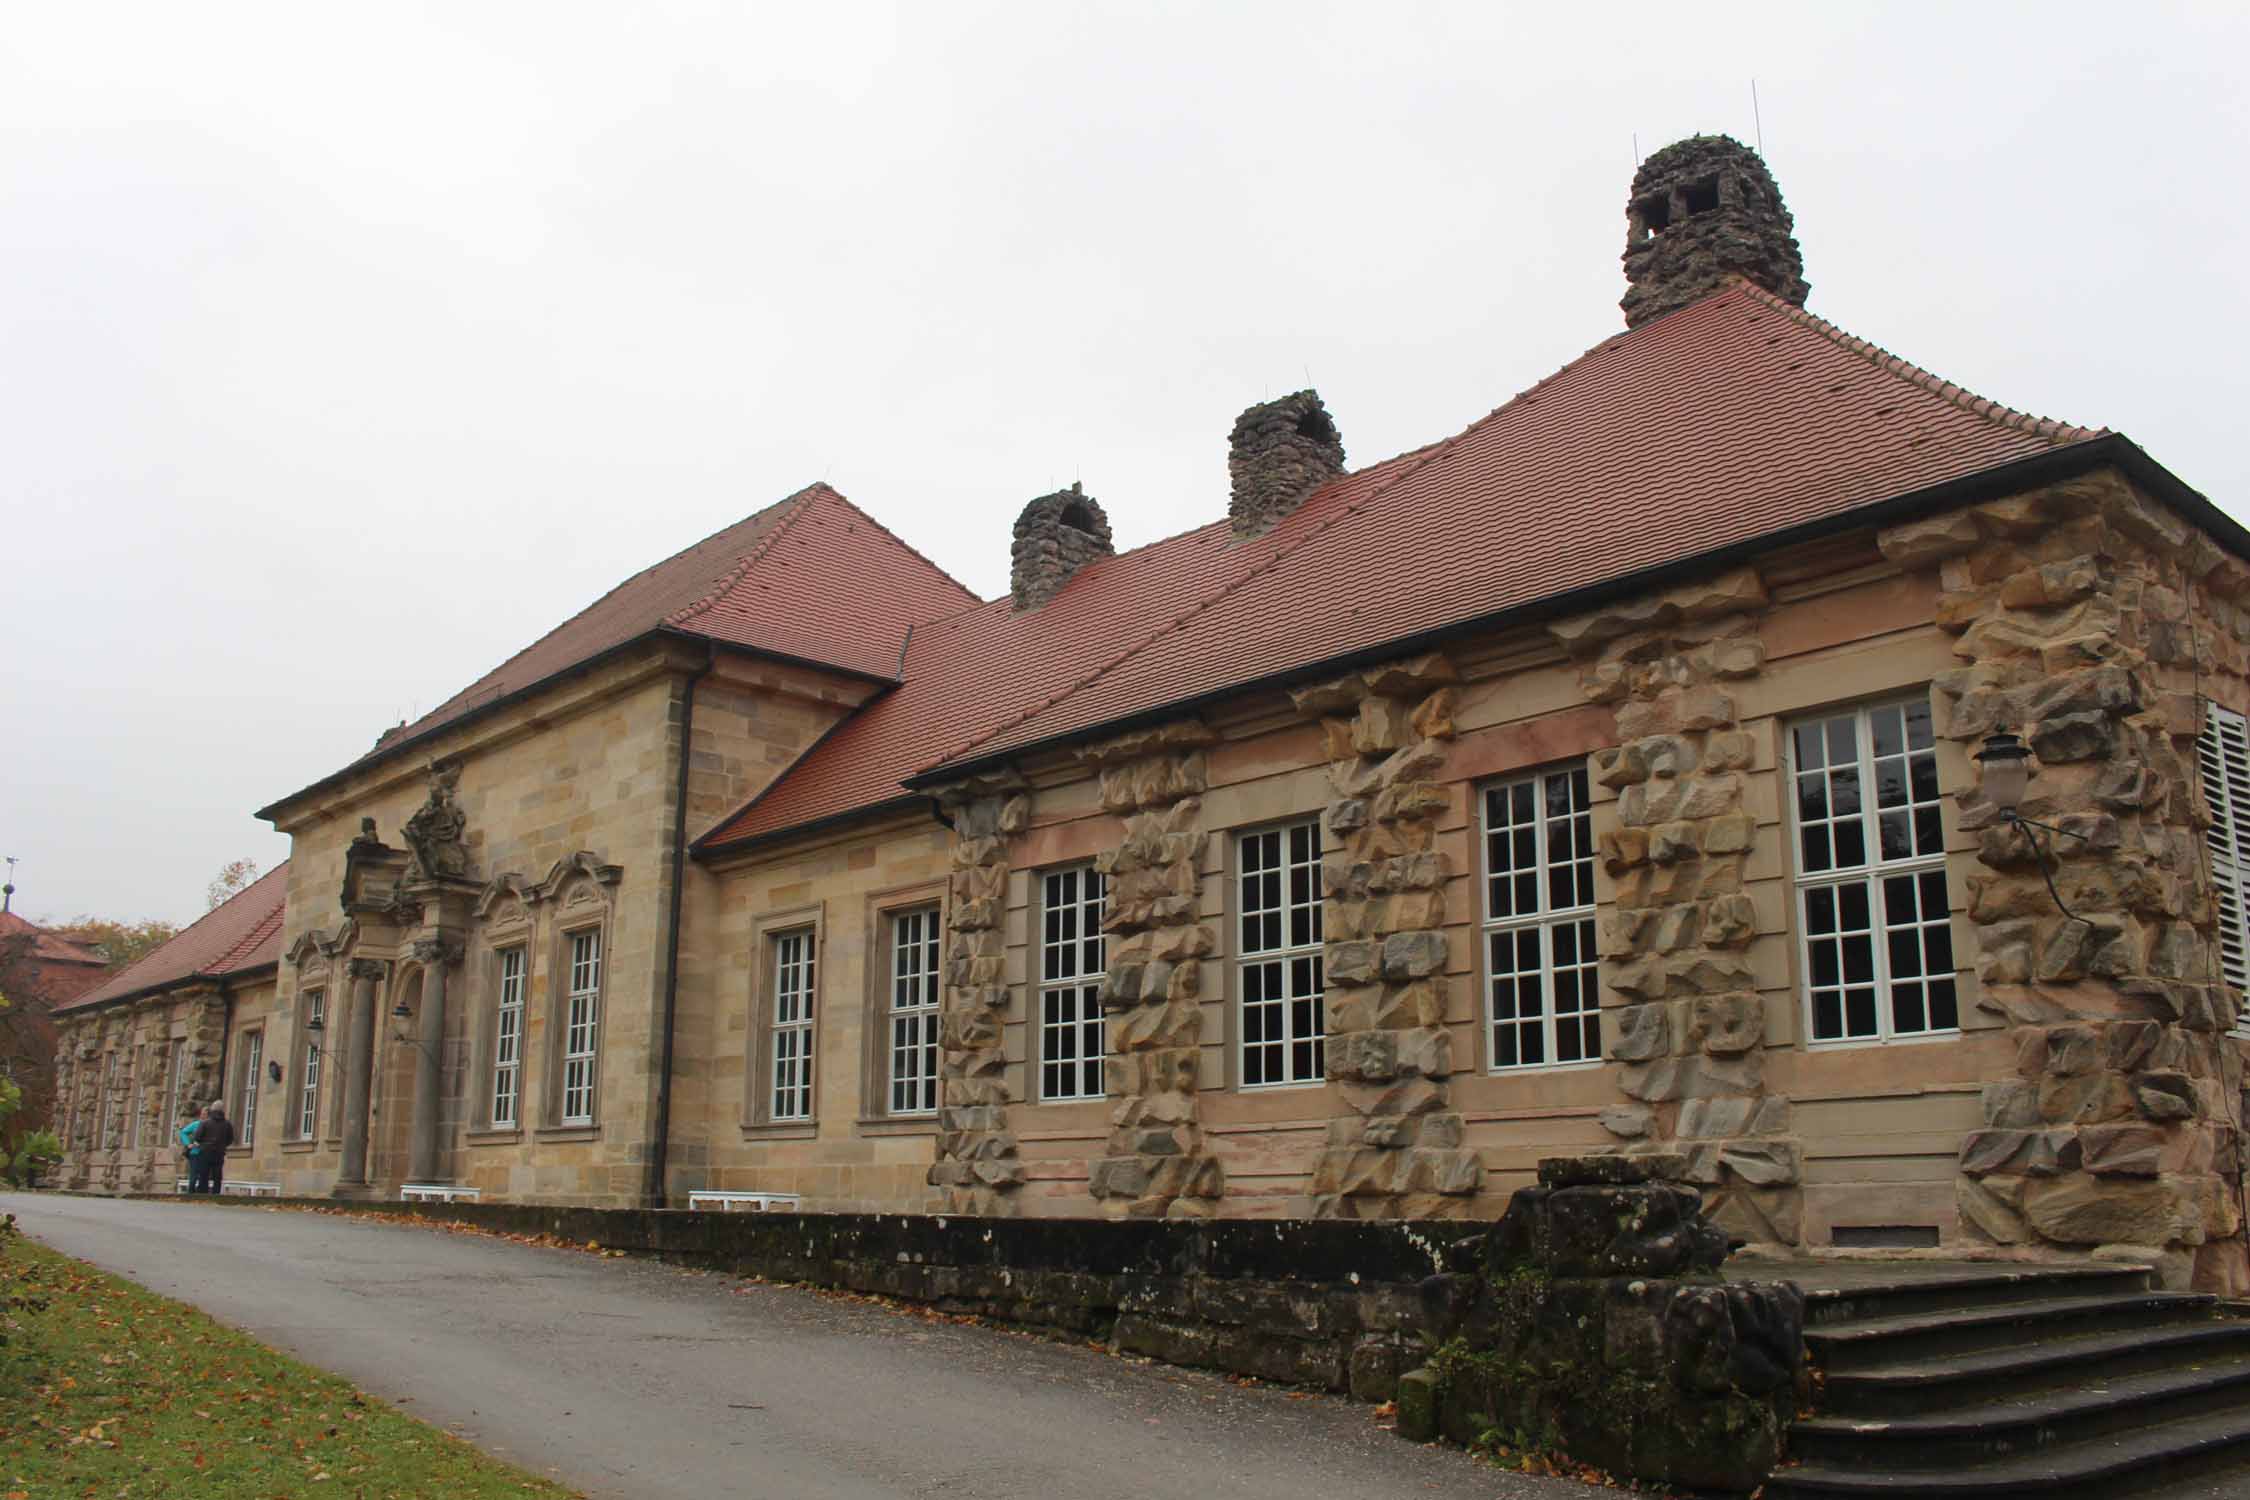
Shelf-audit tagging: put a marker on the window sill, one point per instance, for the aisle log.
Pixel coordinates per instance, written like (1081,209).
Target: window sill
(568,1133)
(505,1135)
(879,1125)
(780,1130)
(1517,1070)
(299,1148)
(1911,1039)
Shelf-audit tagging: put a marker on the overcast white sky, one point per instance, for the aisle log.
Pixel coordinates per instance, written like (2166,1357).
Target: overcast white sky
(345,349)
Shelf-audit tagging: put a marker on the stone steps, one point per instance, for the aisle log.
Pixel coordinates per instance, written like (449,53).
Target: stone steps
(2046,1382)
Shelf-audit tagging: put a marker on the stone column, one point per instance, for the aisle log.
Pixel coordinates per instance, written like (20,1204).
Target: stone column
(1395,1150)
(1157,1162)
(2089,619)
(423,1151)
(977,1165)
(1691,1031)
(359,1071)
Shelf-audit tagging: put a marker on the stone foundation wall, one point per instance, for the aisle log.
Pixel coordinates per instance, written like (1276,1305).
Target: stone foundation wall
(2091,621)
(1591,1320)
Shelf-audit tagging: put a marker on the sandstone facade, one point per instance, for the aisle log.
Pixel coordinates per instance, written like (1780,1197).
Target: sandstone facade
(2087,1100)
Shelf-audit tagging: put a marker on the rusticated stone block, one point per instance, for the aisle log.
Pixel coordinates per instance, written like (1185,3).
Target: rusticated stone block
(1413,955)
(2032,1153)
(1640,1033)
(1726,1025)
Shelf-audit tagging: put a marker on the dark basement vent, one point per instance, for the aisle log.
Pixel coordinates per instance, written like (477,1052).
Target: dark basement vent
(1885,1237)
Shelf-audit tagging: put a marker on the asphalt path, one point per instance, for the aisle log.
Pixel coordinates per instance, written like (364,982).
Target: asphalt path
(636,1380)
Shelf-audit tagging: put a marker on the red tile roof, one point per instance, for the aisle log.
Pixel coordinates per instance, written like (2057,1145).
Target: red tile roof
(1729,420)
(813,577)
(239,935)
(47,945)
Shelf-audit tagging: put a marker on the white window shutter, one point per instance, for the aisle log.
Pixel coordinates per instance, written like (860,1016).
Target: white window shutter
(2224,752)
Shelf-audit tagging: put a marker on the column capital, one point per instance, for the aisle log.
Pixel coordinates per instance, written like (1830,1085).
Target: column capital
(436,951)
(365,968)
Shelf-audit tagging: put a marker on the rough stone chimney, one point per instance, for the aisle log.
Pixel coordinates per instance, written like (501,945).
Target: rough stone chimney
(1055,536)
(1702,209)
(1280,452)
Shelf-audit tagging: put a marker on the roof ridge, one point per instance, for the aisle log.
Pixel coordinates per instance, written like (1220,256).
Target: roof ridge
(908,547)
(1422,457)
(735,572)
(578,614)
(1996,412)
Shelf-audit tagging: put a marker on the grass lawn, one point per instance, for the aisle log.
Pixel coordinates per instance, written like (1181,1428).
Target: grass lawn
(112,1390)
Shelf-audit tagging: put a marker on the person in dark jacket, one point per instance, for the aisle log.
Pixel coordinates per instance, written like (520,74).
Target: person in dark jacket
(207,1159)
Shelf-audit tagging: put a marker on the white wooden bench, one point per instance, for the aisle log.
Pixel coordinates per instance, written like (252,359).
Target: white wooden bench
(236,1189)
(743,1203)
(437,1192)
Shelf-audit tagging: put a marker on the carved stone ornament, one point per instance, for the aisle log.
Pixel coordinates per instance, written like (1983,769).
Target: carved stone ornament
(366,968)
(435,951)
(436,832)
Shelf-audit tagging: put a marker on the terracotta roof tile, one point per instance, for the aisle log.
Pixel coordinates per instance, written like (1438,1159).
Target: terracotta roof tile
(812,577)
(1731,419)
(241,933)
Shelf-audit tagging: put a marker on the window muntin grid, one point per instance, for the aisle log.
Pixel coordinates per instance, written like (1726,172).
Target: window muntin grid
(172,1090)
(308,1077)
(1542,988)
(794,985)
(253,1058)
(1872,905)
(582,1035)
(913,1057)
(2223,756)
(1072,963)
(507,1041)
(1284,1033)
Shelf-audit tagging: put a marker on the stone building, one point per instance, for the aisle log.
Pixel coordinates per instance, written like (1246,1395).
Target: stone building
(141,1053)
(1600,777)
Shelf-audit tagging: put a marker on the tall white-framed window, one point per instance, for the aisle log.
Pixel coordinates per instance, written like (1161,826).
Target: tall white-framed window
(1874,919)
(795,984)
(246,1113)
(507,1041)
(2223,754)
(1543,995)
(103,1125)
(1073,958)
(308,1065)
(175,1100)
(1279,967)
(913,1057)
(582,1027)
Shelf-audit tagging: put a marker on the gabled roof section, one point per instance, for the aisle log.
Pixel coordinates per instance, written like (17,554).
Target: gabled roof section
(241,934)
(813,578)
(1736,418)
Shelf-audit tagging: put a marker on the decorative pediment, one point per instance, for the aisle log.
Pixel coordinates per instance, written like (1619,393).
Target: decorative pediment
(315,949)
(583,873)
(505,899)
